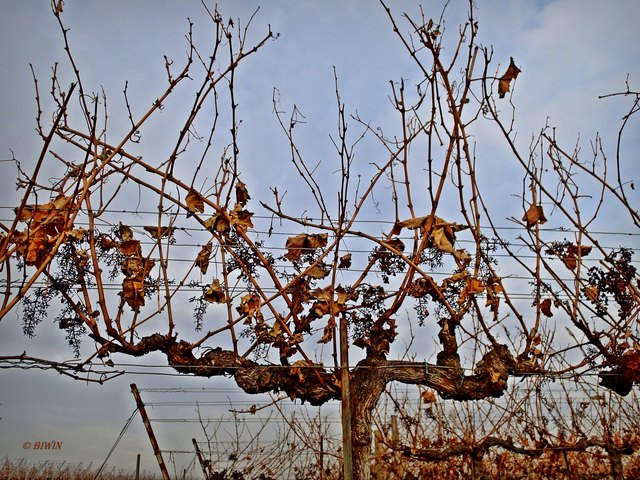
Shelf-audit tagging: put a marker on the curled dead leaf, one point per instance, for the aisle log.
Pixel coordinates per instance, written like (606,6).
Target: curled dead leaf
(214,293)
(202,260)
(504,82)
(242,195)
(545,307)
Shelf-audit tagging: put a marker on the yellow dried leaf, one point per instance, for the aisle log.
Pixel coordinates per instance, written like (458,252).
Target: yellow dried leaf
(318,272)
(76,234)
(592,293)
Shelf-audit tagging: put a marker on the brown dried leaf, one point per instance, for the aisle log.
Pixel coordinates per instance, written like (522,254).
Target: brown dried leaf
(195,202)
(443,237)
(159,232)
(214,293)
(328,331)
(202,260)
(250,306)
(218,223)
(125,233)
(318,272)
(304,243)
(534,215)
(133,293)
(345,261)
(76,234)
(428,396)
(592,293)
(545,307)
(130,247)
(505,80)
(241,219)
(412,223)
(242,195)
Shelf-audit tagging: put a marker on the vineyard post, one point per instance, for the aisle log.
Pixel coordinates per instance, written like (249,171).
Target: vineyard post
(152,437)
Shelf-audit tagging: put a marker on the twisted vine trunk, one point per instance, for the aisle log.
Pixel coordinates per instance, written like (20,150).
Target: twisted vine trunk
(367,386)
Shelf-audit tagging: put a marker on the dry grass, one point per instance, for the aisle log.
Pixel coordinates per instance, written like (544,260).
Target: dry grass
(22,470)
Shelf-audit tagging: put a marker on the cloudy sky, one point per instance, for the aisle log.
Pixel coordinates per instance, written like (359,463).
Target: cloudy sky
(570,51)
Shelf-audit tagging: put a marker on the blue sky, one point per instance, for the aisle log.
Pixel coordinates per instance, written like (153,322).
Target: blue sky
(570,51)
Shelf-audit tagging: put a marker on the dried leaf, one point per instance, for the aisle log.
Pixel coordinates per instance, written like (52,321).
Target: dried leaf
(202,260)
(318,271)
(505,80)
(195,202)
(472,287)
(242,195)
(545,307)
(443,237)
(241,219)
(328,331)
(130,247)
(125,233)
(76,234)
(495,376)
(412,223)
(534,215)
(133,293)
(345,261)
(394,244)
(428,396)
(159,232)
(304,243)
(592,293)
(250,306)
(214,293)
(218,223)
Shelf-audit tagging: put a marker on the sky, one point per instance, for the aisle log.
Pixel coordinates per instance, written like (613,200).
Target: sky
(569,51)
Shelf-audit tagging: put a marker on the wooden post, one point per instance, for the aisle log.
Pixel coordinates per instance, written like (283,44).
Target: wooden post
(395,436)
(204,464)
(347,451)
(152,437)
(138,467)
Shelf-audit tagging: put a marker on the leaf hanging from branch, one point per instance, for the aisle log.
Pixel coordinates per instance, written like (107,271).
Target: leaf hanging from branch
(195,202)
(505,80)
(534,215)
(304,243)
(202,260)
